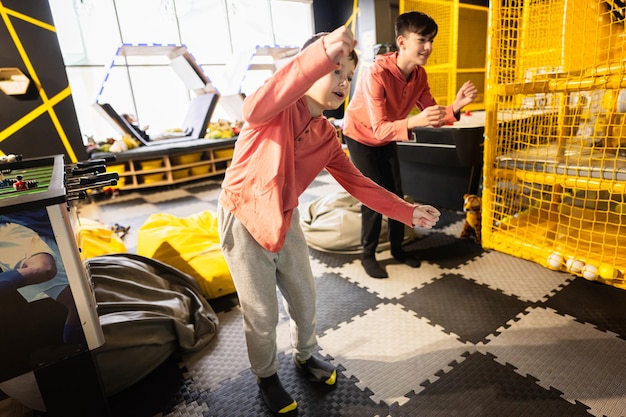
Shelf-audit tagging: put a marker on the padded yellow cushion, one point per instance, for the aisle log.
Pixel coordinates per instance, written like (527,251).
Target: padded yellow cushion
(190,244)
(95,239)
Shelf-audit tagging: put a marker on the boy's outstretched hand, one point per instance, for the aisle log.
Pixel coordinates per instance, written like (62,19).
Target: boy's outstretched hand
(466,94)
(425,216)
(339,43)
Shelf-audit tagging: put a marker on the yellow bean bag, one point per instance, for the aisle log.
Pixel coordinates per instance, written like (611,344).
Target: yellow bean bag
(95,239)
(190,244)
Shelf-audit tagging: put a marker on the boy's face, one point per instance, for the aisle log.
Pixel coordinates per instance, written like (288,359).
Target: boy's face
(330,91)
(416,47)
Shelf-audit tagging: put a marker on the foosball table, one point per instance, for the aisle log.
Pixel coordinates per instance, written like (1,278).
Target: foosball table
(48,312)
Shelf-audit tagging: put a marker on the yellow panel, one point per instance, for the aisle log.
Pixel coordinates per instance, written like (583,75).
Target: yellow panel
(472,39)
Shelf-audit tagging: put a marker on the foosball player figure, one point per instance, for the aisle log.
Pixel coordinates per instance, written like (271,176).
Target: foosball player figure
(19,185)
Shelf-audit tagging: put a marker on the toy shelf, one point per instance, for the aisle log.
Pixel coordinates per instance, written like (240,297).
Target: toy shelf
(172,166)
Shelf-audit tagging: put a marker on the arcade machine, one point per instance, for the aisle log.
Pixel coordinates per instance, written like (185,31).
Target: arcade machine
(48,318)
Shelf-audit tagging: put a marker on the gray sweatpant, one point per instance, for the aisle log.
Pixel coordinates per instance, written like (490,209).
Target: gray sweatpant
(256,273)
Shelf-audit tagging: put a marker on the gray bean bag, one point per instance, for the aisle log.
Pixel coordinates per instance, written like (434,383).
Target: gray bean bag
(148,310)
(332,223)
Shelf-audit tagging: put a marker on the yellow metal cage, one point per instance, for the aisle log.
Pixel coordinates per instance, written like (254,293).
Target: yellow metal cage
(460,48)
(554,187)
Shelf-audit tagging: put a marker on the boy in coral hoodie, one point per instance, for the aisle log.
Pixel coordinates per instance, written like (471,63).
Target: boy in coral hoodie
(284,144)
(378,116)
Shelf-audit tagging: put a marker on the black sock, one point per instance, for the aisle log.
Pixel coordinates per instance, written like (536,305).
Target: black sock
(411,260)
(373,268)
(275,396)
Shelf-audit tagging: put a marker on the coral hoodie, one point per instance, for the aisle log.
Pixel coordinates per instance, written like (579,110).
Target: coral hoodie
(377,113)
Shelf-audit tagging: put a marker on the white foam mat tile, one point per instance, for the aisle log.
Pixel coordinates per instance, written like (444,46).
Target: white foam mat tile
(322,190)
(113,214)
(165,195)
(118,198)
(402,279)
(209,196)
(392,352)
(212,196)
(501,271)
(225,357)
(564,354)
(88,210)
(213,186)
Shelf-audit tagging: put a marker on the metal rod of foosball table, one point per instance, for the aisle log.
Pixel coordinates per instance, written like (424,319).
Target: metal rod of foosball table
(110,183)
(92,179)
(81,195)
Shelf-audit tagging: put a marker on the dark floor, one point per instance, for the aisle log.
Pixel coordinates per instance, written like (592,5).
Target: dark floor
(469,333)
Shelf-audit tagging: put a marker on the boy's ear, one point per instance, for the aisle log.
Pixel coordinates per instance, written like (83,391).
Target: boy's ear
(400,40)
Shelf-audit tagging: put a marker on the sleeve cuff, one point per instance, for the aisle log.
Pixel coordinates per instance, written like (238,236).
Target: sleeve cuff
(11,281)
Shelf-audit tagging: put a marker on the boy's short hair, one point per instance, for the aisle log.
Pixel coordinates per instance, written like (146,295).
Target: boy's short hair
(353,56)
(416,22)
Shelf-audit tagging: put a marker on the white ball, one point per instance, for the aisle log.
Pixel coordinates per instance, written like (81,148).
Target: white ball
(574,266)
(555,260)
(590,272)
(3,158)
(11,158)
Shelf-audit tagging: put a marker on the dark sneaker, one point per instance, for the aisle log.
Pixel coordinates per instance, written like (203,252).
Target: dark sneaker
(318,370)
(275,396)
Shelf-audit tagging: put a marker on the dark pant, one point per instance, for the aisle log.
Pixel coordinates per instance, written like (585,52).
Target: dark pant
(381,164)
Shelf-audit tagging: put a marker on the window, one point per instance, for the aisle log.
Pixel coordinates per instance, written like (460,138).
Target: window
(214,31)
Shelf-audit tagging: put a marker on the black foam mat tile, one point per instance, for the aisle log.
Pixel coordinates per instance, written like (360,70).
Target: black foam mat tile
(448,217)
(463,307)
(339,300)
(479,386)
(332,259)
(445,250)
(240,397)
(592,302)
